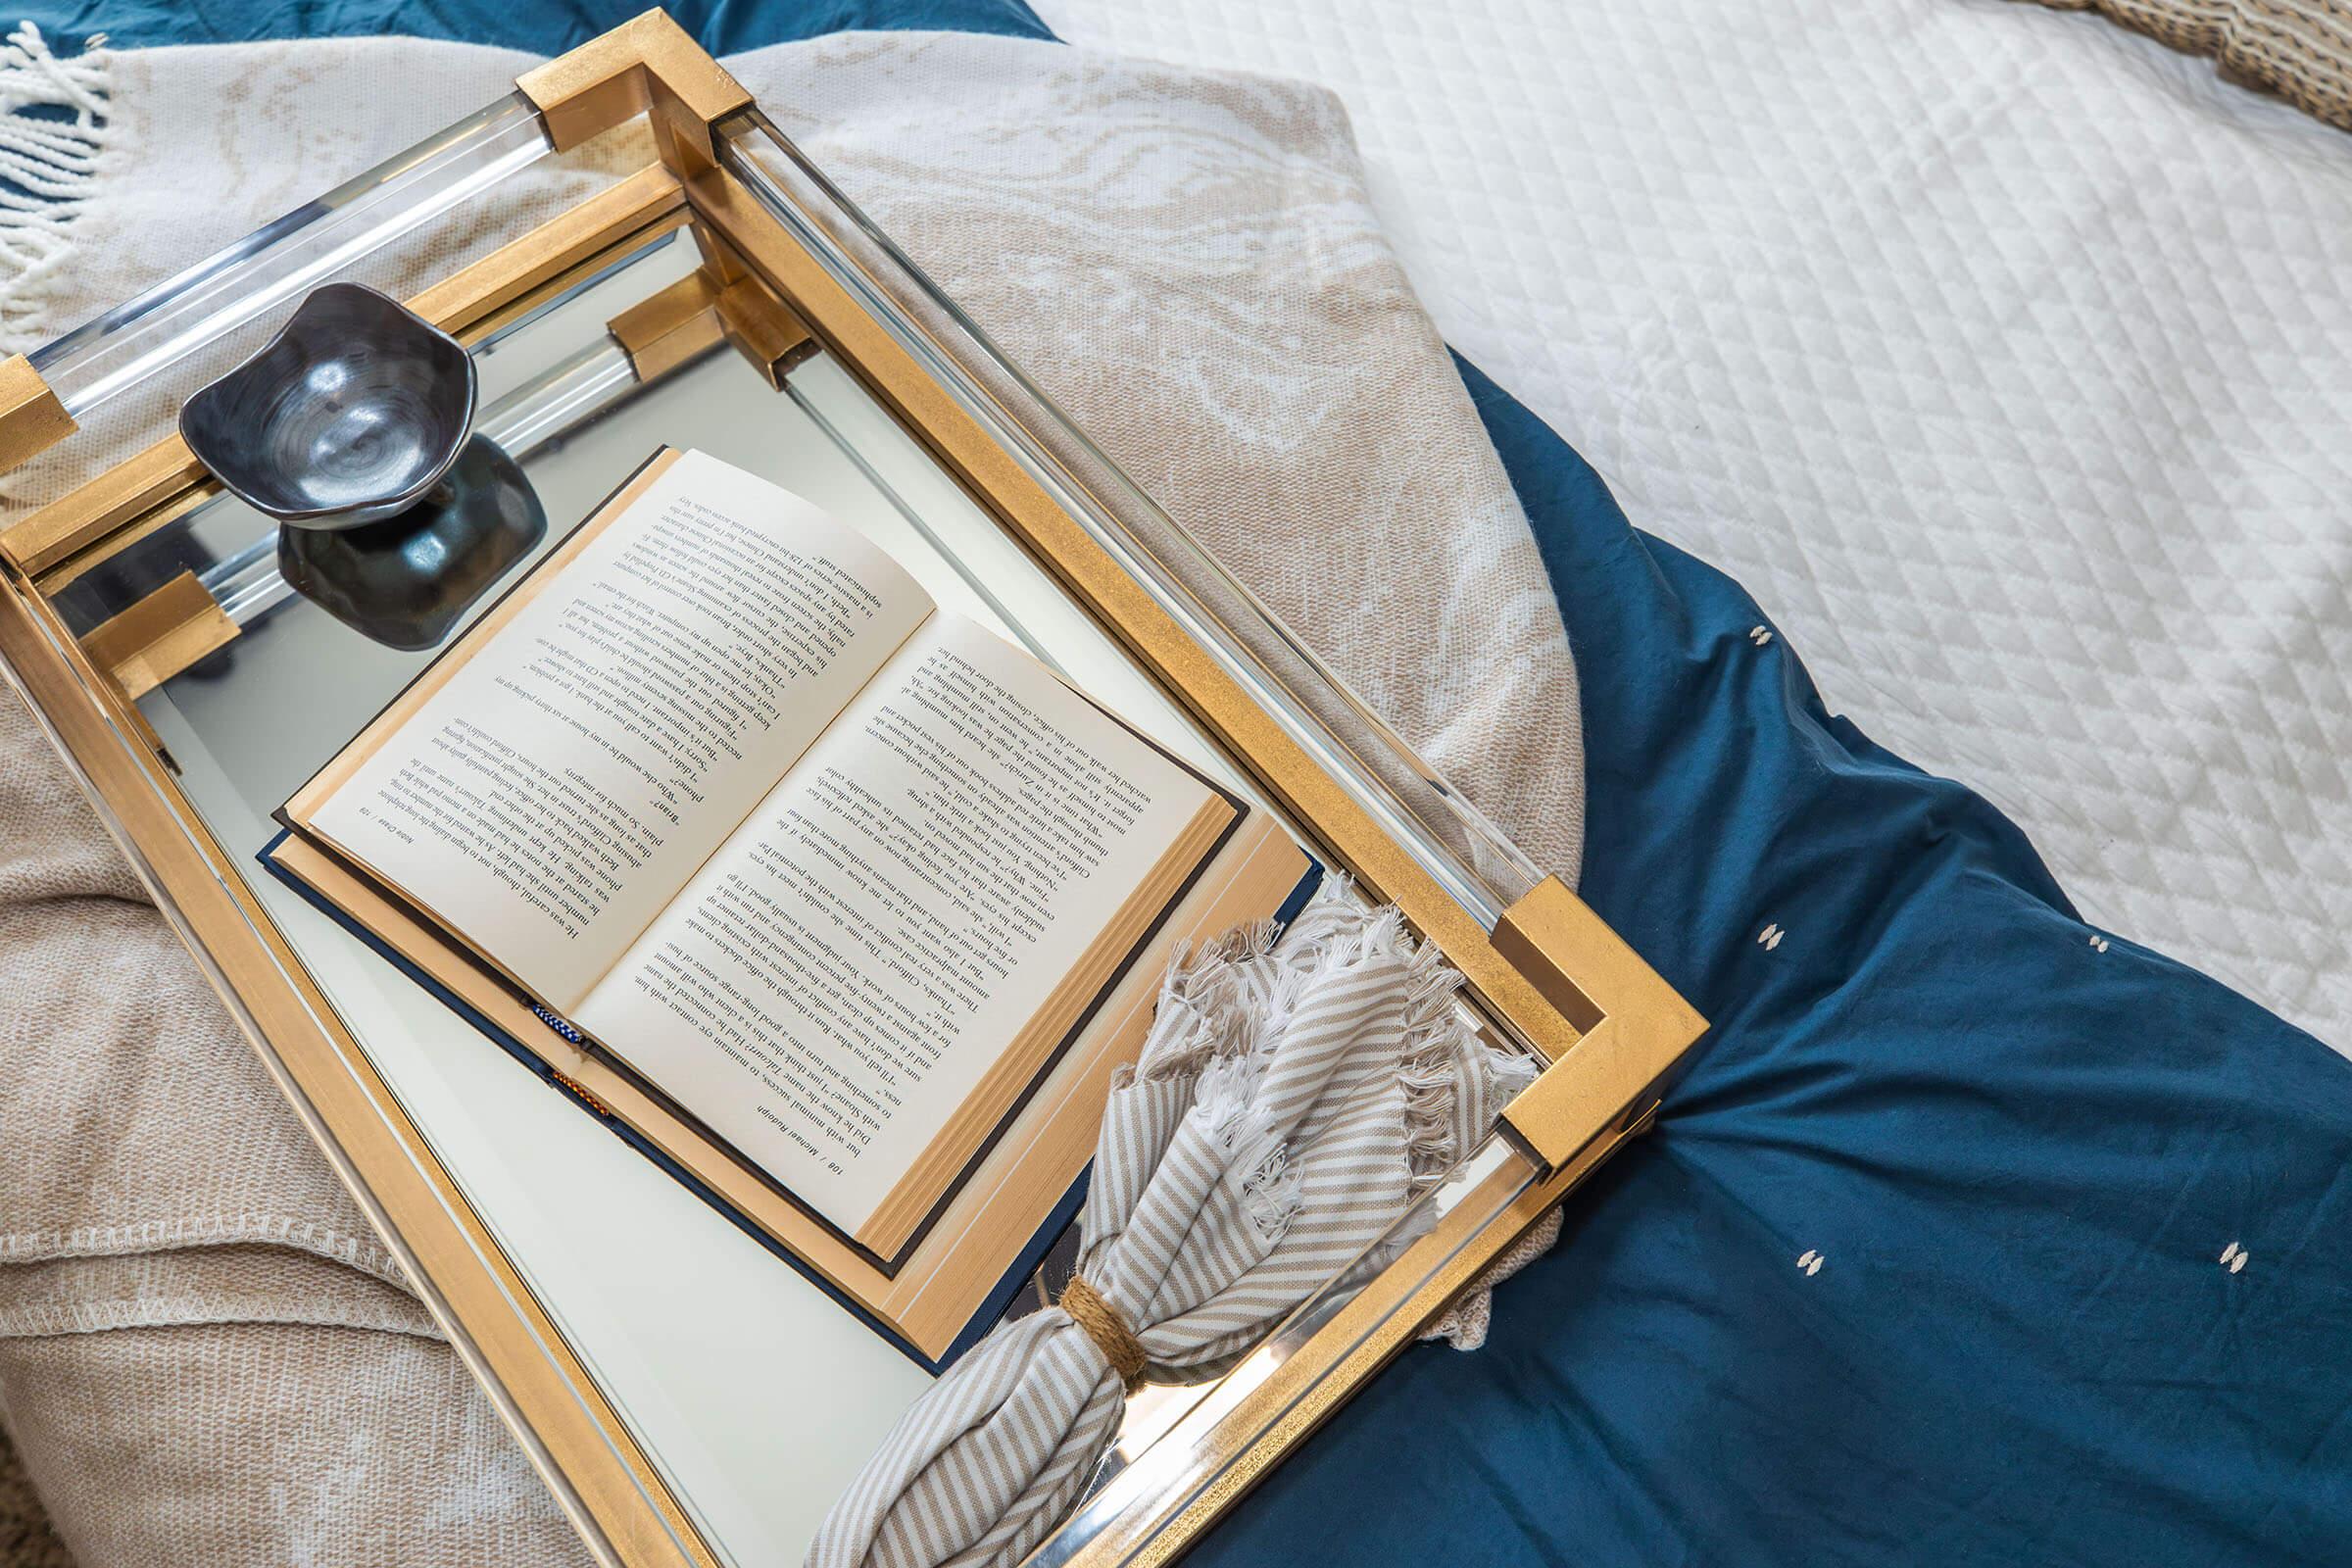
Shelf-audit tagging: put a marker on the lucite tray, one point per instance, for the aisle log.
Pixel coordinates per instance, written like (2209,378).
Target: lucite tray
(632,255)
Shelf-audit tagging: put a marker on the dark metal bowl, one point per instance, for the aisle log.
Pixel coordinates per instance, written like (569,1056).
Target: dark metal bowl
(351,412)
(405,581)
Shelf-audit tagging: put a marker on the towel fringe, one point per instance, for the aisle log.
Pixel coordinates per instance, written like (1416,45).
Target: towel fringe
(51,162)
(1223,1012)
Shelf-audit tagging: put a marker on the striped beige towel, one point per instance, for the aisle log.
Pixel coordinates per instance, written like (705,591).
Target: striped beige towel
(1291,1104)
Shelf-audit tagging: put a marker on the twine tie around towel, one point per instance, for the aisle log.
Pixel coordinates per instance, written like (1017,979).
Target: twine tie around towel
(1102,1324)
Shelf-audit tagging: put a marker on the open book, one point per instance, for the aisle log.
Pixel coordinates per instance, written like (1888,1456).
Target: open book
(828,875)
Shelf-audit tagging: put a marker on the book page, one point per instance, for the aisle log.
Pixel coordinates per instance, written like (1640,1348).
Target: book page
(829,991)
(567,775)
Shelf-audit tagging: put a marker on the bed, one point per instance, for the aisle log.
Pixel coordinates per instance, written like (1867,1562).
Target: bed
(1979,1232)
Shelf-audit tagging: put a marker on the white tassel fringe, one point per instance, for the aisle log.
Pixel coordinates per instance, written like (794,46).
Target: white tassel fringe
(51,161)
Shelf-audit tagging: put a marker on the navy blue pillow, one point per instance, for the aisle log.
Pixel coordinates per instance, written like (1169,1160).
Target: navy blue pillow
(543,26)
(1965,1239)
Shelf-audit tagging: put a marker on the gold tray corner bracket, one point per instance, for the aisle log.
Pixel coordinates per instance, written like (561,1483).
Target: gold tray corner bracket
(1633,1027)
(31,419)
(650,65)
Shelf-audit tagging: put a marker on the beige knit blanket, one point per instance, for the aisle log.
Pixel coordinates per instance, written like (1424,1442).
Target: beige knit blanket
(2299,49)
(204,1354)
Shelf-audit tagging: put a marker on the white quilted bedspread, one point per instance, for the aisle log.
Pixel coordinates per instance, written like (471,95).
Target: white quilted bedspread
(2004,356)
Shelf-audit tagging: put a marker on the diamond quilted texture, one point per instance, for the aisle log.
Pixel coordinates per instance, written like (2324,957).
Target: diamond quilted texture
(2006,357)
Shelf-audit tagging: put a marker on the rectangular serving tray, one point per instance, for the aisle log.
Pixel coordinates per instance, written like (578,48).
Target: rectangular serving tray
(108,601)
